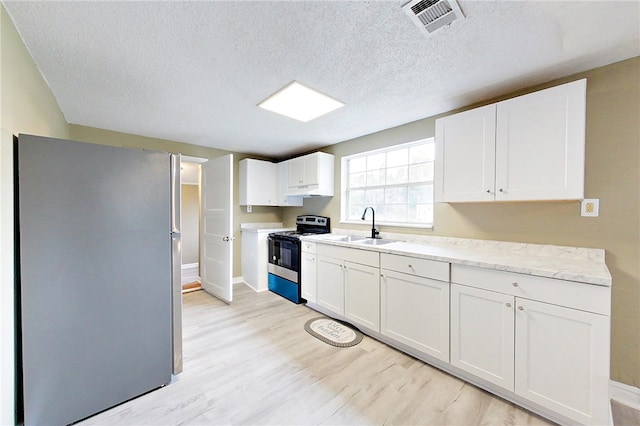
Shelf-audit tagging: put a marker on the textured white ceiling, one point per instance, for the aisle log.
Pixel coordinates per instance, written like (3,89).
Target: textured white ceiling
(195,71)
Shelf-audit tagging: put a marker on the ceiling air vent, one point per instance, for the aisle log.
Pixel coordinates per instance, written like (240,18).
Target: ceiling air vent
(431,15)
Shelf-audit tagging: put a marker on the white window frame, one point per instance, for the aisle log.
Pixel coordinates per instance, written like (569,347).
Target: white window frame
(344,200)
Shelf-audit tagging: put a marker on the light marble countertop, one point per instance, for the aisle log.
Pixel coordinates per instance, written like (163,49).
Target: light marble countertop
(263,227)
(584,265)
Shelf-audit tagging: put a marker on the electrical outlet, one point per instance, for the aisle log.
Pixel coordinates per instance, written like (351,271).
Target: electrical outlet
(590,207)
(249,209)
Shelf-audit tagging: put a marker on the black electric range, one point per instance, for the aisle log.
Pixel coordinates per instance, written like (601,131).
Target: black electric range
(284,256)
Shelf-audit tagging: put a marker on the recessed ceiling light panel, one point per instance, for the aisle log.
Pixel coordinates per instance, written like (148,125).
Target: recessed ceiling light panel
(300,102)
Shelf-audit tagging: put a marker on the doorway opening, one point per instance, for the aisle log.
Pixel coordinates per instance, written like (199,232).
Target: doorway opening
(190,214)
(214,238)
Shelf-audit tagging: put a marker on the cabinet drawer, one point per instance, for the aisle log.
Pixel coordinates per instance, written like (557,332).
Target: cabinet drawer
(586,297)
(364,257)
(415,266)
(308,247)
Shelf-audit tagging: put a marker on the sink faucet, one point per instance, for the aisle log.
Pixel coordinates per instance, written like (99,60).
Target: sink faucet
(374,231)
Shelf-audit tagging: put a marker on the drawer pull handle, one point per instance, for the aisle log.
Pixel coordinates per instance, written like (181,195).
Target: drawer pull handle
(520,308)
(508,305)
(514,284)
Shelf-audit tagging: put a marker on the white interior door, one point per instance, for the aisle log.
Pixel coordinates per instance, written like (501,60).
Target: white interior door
(216,238)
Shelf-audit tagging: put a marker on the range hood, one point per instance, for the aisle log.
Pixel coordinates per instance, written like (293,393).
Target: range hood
(308,191)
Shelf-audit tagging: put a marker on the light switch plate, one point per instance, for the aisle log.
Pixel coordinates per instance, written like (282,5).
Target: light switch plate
(590,207)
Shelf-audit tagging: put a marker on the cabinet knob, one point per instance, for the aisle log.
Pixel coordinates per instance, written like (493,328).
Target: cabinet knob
(520,308)
(488,191)
(508,305)
(382,275)
(501,190)
(514,284)
(410,266)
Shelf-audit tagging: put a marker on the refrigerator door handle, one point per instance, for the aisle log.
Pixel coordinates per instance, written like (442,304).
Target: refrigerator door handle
(175,193)
(176,261)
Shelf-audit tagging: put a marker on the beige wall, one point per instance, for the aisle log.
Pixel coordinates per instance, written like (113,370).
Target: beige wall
(613,163)
(27,106)
(107,137)
(190,224)
(612,175)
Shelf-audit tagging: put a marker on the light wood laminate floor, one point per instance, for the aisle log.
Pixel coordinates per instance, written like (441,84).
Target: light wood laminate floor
(251,362)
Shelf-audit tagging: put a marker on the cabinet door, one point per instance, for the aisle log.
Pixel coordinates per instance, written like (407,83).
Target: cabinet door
(303,171)
(540,140)
(285,200)
(296,172)
(308,265)
(465,156)
(362,295)
(561,360)
(415,311)
(482,334)
(258,183)
(330,284)
(311,169)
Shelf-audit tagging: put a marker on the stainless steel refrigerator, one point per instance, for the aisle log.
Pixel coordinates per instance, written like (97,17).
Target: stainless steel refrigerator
(98,280)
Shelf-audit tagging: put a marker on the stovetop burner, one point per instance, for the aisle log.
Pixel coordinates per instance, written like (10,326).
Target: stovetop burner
(305,225)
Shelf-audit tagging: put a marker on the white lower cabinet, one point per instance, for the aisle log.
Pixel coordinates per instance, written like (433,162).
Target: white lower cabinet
(482,334)
(540,342)
(330,284)
(554,356)
(415,311)
(362,295)
(560,360)
(308,272)
(348,284)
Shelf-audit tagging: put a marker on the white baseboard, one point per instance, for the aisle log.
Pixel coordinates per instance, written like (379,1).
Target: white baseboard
(628,395)
(189,273)
(238,280)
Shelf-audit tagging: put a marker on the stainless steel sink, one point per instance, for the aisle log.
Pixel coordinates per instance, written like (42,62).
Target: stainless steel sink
(351,238)
(341,238)
(377,241)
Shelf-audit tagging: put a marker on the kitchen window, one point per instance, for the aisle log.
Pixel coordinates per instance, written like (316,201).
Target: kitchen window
(396,181)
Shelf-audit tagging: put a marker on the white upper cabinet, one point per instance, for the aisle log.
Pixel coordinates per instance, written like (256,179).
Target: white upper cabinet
(258,183)
(285,200)
(465,156)
(311,174)
(527,148)
(540,145)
